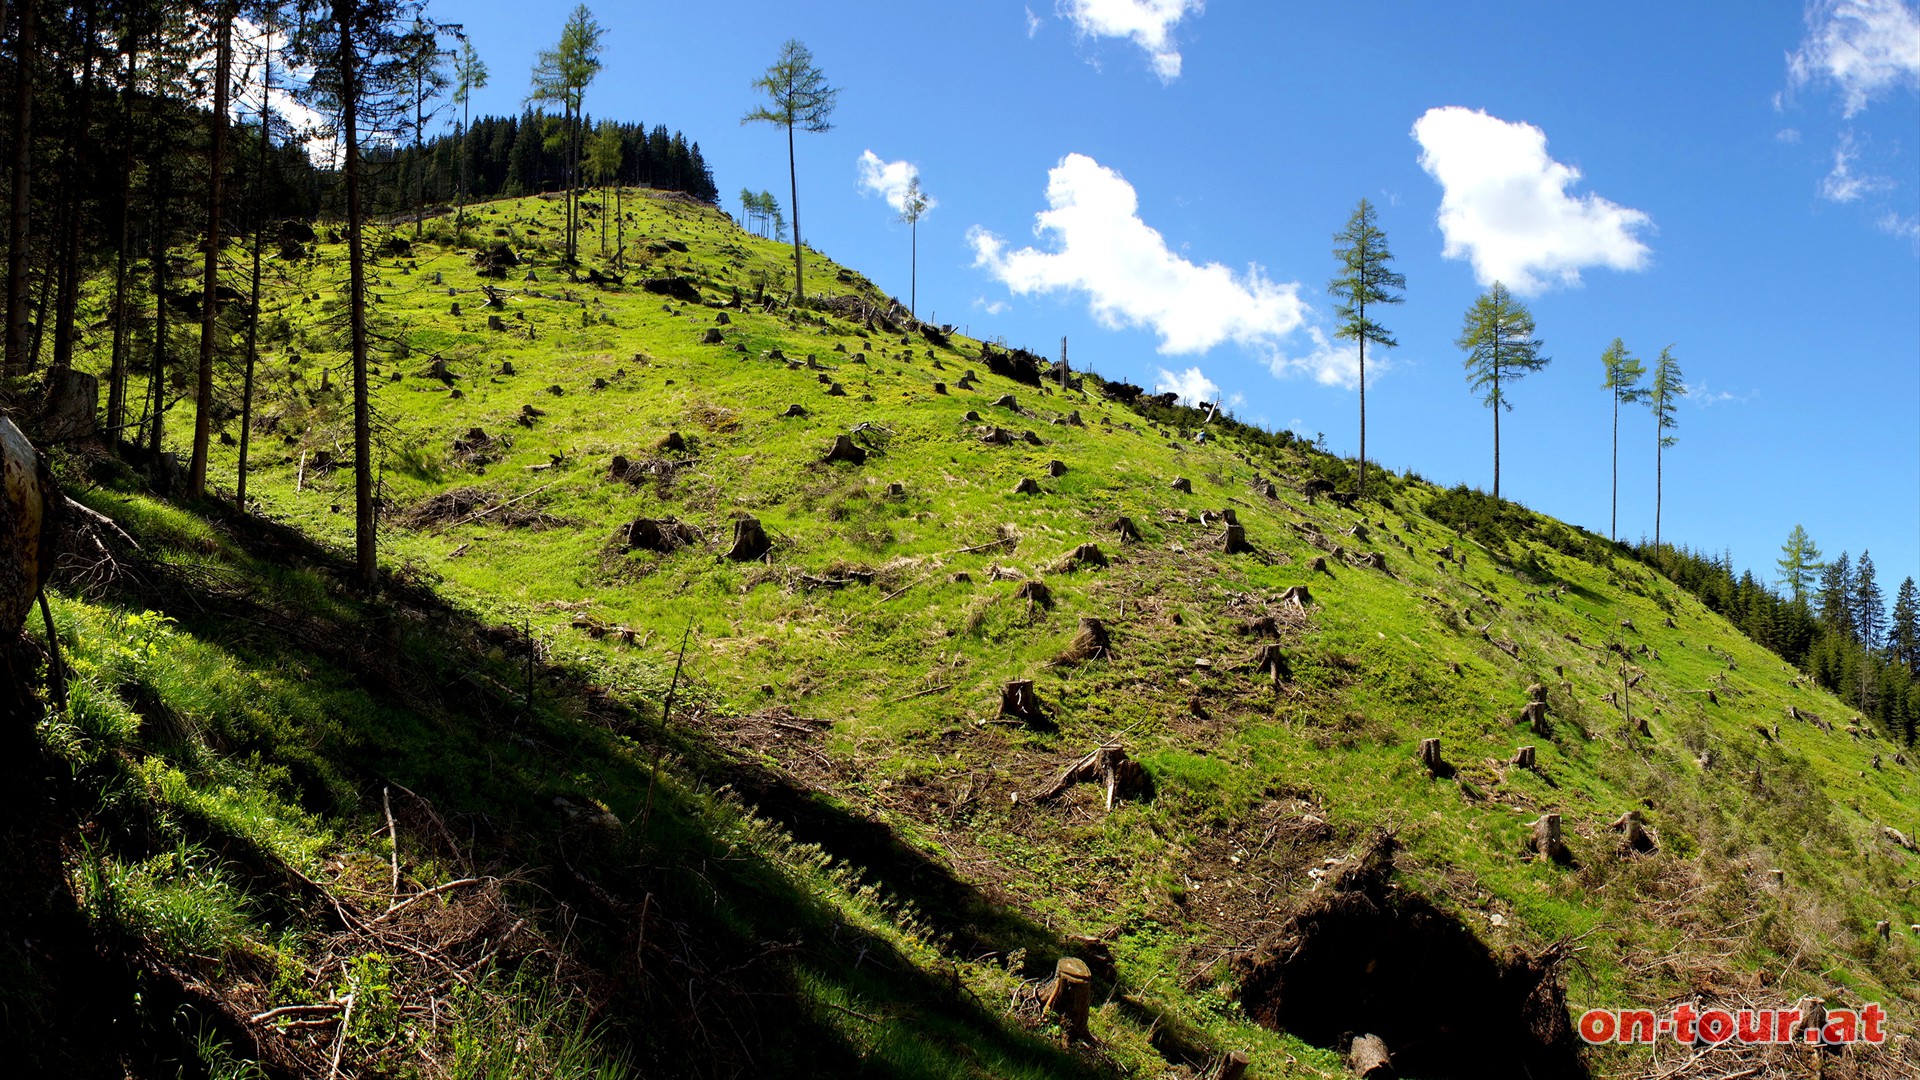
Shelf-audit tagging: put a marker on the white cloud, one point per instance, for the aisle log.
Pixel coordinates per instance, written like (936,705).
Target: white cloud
(1863,47)
(1330,363)
(1904,226)
(1842,184)
(991,307)
(1787,135)
(1190,386)
(1706,397)
(1147,23)
(1033,23)
(1130,276)
(889,180)
(1505,205)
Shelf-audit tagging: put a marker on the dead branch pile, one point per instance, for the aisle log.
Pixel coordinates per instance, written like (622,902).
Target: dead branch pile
(1108,765)
(468,503)
(658,534)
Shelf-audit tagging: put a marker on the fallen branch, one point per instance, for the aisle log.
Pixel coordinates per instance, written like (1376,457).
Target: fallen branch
(499,507)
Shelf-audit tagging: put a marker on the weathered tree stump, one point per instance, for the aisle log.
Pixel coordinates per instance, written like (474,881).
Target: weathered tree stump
(1296,596)
(896,490)
(1635,837)
(750,541)
(795,410)
(1027,486)
(845,449)
(1067,995)
(1534,715)
(1005,401)
(1813,1017)
(1368,1058)
(1317,564)
(1109,766)
(713,336)
(1125,529)
(1056,468)
(27,519)
(1641,727)
(1233,1066)
(1091,643)
(1545,840)
(997,436)
(1430,758)
(1181,483)
(495,322)
(1234,541)
(1269,660)
(1018,702)
(1085,556)
(1034,592)
(939,388)
(836,390)
(1523,758)
(662,535)
(73,400)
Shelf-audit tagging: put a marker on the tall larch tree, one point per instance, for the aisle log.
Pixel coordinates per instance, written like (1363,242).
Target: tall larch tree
(1663,397)
(1624,372)
(914,206)
(469,75)
(1365,279)
(1497,336)
(798,97)
(1799,563)
(561,76)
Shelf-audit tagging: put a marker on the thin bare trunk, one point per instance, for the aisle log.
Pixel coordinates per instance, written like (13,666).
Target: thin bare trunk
(157,378)
(363,538)
(19,218)
(69,299)
(117,373)
(210,282)
(253,297)
(793,182)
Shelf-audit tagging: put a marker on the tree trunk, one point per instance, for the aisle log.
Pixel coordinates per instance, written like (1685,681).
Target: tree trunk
(1368,1058)
(1659,451)
(1068,996)
(18,219)
(793,187)
(1360,488)
(1496,426)
(210,282)
(913,271)
(157,379)
(1613,528)
(365,555)
(117,373)
(419,153)
(69,298)
(253,291)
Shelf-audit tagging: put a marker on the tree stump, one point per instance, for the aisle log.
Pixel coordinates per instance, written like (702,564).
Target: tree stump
(1296,597)
(1883,930)
(1027,486)
(1641,727)
(1535,717)
(1056,468)
(1778,878)
(1083,556)
(1091,643)
(1181,483)
(454,309)
(795,410)
(1017,701)
(1234,542)
(1317,564)
(1128,532)
(836,390)
(1067,995)
(1635,838)
(1430,758)
(27,520)
(1005,401)
(713,336)
(73,400)
(939,388)
(845,449)
(896,490)
(1233,1066)
(1523,758)
(1034,592)
(1813,1017)
(1273,663)
(1109,766)
(495,322)
(750,542)
(1545,840)
(1368,1058)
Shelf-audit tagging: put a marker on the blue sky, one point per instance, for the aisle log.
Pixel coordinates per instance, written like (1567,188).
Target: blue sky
(1738,181)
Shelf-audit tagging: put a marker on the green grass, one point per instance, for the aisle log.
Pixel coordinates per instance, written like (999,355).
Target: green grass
(272,747)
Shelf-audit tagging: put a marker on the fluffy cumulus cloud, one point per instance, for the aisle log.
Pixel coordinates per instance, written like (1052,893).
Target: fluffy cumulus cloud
(1863,48)
(889,180)
(1505,204)
(1329,363)
(1147,23)
(1130,276)
(1191,386)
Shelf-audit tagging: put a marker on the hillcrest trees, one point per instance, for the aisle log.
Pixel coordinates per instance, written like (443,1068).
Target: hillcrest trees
(1623,380)
(797,97)
(1365,279)
(560,77)
(1497,335)
(1663,397)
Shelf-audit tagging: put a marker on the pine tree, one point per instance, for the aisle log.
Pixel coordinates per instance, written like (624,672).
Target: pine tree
(1497,336)
(1364,279)
(560,77)
(469,74)
(1835,597)
(1663,398)
(1869,603)
(1623,379)
(1903,629)
(1799,562)
(797,96)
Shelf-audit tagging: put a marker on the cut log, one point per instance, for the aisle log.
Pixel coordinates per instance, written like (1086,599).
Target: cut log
(896,490)
(845,449)
(1368,1058)
(1431,759)
(1091,643)
(1067,996)
(1635,837)
(1017,701)
(750,542)
(1544,840)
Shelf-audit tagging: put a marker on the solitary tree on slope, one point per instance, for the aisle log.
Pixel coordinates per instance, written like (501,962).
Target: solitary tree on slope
(1799,563)
(1497,335)
(797,97)
(1623,379)
(1663,397)
(1364,279)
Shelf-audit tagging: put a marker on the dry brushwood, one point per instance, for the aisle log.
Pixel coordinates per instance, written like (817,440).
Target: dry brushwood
(750,540)
(1091,643)
(1635,837)
(1085,556)
(1109,766)
(1018,702)
(845,449)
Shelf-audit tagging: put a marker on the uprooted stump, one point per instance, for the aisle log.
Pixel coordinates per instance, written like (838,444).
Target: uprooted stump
(1034,592)
(1086,556)
(845,449)
(1091,643)
(658,534)
(1635,837)
(1125,529)
(1068,995)
(1270,661)
(1018,702)
(1107,765)
(1369,1059)
(1365,956)
(750,541)
(1544,841)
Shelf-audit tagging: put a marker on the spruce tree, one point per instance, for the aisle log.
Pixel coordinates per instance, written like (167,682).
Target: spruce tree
(1903,629)
(1497,335)
(1835,597)
(1799,562)
(1364,279)
(797,97)
(1663,398)
(1869,603)
(1623,380)
(913,208)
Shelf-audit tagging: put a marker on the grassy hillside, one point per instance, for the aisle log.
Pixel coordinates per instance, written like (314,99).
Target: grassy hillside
(836,853)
